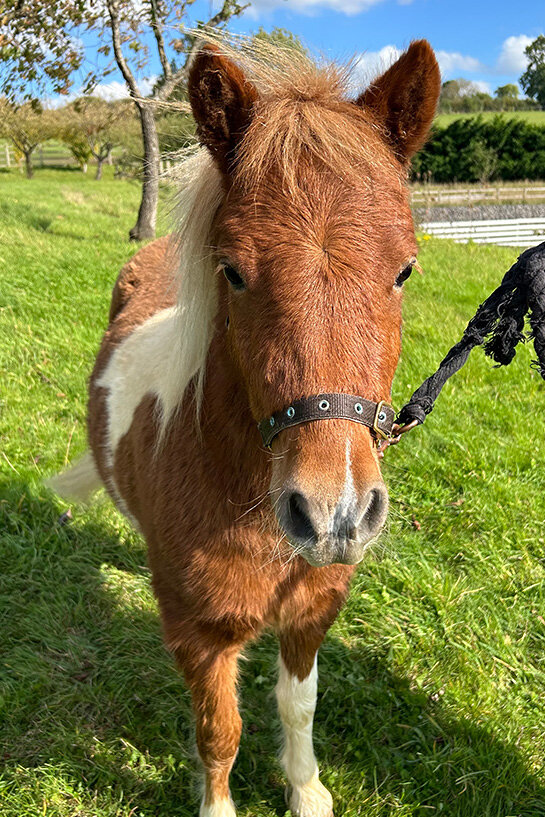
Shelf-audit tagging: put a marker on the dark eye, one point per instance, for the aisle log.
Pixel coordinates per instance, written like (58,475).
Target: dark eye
(234,278)
(405,272)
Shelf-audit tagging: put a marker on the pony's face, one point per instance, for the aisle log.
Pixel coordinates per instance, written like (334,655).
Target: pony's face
(312,269)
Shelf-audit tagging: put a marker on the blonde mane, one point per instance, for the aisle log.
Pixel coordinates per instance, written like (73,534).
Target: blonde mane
(201,193)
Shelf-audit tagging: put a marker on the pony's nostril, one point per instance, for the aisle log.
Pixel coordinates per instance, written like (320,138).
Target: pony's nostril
(376,510)
(298,521)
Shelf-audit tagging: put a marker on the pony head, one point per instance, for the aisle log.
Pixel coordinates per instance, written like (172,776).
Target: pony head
(313,238)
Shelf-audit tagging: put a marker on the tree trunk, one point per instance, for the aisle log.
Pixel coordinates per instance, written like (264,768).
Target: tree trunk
(147,213)
(28,164)
(98,174)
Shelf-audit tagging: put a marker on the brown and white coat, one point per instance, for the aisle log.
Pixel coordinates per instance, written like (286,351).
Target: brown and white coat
(299,195)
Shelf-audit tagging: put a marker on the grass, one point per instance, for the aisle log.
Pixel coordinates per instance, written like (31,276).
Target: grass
(431,682)
(534,117)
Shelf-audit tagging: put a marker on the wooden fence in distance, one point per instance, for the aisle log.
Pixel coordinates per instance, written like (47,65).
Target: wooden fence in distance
(522,232)
(437,196)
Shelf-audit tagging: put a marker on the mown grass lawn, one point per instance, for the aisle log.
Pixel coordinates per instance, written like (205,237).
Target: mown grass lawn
(533,117)
(431,682)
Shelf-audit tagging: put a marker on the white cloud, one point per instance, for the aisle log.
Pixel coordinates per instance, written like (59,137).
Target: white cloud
(451,62)
(512,59)
(348,7)
(482,86)
(58,101)
(111,91)
(372,63)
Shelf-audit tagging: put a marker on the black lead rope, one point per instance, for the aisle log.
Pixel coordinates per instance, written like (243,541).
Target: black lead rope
(498,325)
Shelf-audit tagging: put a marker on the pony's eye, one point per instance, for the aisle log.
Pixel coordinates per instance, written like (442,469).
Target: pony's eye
(233,276)
(405,272)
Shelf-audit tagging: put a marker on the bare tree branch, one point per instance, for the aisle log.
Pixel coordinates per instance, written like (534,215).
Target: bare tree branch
(229,9)
(157,26)
(128,76)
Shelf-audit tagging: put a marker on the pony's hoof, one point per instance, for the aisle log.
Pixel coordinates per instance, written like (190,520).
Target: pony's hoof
(310,800)
(220,808)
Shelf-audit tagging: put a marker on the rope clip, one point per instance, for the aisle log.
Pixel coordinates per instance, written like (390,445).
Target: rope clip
(395,436)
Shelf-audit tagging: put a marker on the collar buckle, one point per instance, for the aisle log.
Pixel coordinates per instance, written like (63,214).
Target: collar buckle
(381,434)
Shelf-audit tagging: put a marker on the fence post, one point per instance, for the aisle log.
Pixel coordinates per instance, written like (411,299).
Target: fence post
(8,163)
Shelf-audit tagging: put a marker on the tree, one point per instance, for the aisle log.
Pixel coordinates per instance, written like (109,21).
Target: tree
(482,160)
(26,126)
(93,124)
(38,48)
(131,31)
(282,37)
(132,23)
(76,142)
(533,80)
(462,95)
(507,95)
(509,91)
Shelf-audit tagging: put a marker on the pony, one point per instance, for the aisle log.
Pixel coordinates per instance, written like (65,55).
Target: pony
(284,281)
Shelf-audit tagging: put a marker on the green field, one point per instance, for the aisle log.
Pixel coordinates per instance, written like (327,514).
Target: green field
(432,680)
(535,117)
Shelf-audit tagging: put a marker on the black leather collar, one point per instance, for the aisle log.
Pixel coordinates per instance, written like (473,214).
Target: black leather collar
(328,406)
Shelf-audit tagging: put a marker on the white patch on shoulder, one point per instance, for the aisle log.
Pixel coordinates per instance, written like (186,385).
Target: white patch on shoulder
(153,359)
(220,808)
(145,362)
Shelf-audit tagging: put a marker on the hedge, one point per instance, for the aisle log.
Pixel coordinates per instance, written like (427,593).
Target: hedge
(477,149)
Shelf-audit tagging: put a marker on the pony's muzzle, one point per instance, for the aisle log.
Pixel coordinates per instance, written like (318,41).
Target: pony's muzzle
(326,534)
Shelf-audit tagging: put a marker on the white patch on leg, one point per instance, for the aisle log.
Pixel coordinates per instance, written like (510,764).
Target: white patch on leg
(296,704)
(221,808)
(311,800)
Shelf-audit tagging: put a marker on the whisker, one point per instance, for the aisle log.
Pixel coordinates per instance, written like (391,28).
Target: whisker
(259,501)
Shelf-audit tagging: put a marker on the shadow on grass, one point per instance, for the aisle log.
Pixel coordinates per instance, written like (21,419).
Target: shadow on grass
(90,693)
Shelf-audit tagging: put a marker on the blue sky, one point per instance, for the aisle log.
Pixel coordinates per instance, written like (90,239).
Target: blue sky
(481,40)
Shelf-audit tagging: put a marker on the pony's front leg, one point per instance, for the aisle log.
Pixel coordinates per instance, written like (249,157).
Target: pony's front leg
(211,675)
(296,692)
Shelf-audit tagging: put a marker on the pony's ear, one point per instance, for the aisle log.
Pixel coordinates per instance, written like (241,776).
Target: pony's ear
(404,98)
(221,100)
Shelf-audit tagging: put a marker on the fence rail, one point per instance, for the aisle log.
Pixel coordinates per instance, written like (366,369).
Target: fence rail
(42,157)
(523,232)
(472,195)
(54,155)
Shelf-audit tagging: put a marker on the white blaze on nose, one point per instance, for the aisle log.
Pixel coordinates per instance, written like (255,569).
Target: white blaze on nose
(348,499)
